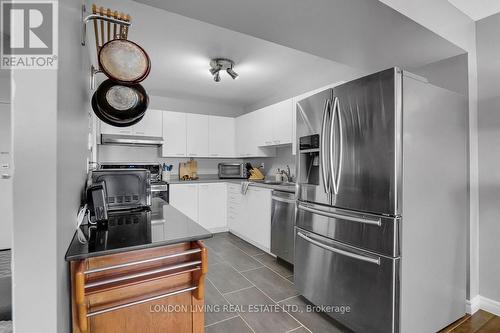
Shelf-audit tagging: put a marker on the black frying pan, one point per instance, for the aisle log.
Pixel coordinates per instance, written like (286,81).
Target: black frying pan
(120,105)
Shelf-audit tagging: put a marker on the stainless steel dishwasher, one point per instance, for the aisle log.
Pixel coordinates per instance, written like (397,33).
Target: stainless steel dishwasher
(282,225)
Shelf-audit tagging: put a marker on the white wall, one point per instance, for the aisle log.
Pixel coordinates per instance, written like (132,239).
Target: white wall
(72,135)
(49,154)
(193,105)
(488,50)
(451,74)
(447,21)
(35,282)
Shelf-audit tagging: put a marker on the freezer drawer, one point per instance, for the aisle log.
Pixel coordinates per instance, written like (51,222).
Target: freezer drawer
(374,233)
(328,273)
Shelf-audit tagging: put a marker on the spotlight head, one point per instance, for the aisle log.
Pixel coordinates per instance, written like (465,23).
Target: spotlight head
(215,70)
(232,73)
(217,76)
(222,64)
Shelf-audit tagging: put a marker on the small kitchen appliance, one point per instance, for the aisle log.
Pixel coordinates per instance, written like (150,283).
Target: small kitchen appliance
(232,170)
(159,188)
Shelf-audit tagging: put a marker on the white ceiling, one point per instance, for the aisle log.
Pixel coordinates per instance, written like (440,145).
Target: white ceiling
(364,34)
(477,9)
(180,49)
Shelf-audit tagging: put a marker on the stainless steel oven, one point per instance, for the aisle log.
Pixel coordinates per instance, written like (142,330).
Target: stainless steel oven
(232,170)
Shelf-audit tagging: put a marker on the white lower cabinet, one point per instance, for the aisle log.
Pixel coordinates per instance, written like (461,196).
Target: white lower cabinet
(249,215)
(203,203)
(212,206)
(221,206)
(184,197)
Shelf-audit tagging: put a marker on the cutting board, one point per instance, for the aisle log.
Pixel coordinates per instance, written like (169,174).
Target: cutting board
(188,170)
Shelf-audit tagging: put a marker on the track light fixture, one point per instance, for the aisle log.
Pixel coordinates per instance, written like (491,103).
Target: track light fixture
(222,64)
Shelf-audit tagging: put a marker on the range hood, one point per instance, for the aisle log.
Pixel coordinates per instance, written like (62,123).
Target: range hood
(116,139)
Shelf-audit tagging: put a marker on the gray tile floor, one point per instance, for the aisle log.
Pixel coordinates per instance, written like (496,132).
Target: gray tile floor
(248,290)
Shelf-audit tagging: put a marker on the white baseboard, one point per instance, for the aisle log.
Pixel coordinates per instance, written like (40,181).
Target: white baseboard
(219,229)
(472,306)
(483,303)
(489,305)
(265,249)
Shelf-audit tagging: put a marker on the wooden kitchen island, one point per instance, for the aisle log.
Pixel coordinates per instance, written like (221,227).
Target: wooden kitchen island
(142,272)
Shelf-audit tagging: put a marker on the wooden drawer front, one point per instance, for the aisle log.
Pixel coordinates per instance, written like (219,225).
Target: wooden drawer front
(116,293)
(152,316)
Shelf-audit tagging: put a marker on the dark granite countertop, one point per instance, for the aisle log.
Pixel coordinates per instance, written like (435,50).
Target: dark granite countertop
(141,229)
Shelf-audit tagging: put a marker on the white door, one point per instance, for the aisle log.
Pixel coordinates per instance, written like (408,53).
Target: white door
(5,177)
(212,200)
(174,134)
(197,135)
(184,197)
(221,136)
(150,124)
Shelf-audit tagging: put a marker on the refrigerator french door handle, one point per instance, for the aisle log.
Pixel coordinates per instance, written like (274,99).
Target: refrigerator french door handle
(336,171)
(324,165)
(374,222)
(339,251)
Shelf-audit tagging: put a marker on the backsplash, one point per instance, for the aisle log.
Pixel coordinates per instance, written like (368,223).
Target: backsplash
(283,158)
(206,166)
(111,153)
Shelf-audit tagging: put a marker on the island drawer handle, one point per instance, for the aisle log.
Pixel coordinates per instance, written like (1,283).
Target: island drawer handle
(126,305)
(142,274)
(128,264)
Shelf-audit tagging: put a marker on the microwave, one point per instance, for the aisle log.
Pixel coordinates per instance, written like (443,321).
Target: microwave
(232,170)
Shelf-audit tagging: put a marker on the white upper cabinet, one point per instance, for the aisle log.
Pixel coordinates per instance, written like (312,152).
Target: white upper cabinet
(174,134)
(282,114)
(265,128)
(197,135)
(221,136)
(275,124)
(108,129)
(249,132)
(150,125)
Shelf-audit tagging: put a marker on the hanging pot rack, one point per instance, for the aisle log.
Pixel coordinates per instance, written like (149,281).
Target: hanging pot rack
(108,25)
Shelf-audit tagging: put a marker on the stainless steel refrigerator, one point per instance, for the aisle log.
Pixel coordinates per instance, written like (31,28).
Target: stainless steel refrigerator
(382,203)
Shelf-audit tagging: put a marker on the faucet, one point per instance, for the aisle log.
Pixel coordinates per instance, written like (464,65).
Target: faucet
(287,174)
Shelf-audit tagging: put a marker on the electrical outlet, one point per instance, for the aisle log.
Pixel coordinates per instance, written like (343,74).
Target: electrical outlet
(87,165)
(262,165)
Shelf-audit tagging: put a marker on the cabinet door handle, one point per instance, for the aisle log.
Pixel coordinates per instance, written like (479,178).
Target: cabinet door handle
(126,305)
